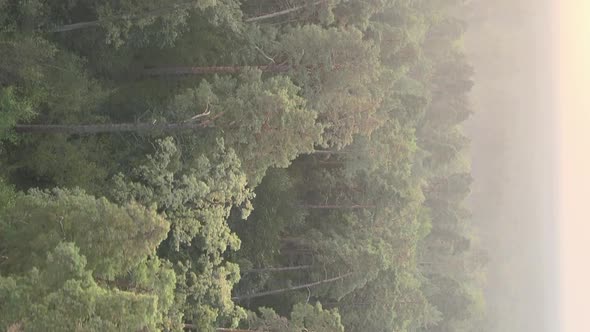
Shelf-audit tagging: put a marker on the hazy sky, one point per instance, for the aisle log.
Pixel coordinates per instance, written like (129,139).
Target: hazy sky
(533,85)
(573,105)
(515,157)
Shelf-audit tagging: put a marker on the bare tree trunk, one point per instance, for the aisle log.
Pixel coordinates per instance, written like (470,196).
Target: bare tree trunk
(152,13)
(329,152)
(105,128)
(162,71)
(280,13)
(336,206)
(219,329)
(77,26)
(278,269)
(283,290)
(160,11)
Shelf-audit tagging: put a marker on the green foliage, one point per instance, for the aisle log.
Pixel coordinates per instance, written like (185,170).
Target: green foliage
(61,295)
(304,317)
(143,23)
(7,196)
(337,69)
(196,200)
(12,111)
(53,80)
(265,121)
(325,162)
(113,239)
(204,293)
(276,208)
(40,82)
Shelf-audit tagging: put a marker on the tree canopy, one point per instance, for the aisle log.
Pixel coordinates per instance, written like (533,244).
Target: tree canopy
(223,165)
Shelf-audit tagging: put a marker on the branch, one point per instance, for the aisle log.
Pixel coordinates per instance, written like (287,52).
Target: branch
(205,113)
(264,54)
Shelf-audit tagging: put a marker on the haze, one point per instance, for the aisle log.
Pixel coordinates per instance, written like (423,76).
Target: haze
(513,149)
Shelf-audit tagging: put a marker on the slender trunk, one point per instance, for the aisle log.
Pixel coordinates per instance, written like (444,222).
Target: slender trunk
(280,13)
(162,71)
(188,70)
(164,10)
(151,13)
(222,329)
(77,26)
(283,290)
(336,206)
(105,128)
(219,329)
(278,269)
(329,152)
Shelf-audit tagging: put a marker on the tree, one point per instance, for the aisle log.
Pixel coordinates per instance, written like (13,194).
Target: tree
(197,198)
(265,121)
(114,239)
(12,111)
(392,302)
(144,23)
(265,154)
(334,68)
(61,294)
(41,82)
(261,118)
(304,317)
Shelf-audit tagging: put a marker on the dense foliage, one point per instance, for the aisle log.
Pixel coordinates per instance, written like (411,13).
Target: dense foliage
(235,166)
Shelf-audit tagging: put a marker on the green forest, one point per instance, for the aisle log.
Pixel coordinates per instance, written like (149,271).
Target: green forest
(236,165)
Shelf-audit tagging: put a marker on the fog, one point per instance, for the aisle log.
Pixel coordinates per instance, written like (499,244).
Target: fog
(513,149)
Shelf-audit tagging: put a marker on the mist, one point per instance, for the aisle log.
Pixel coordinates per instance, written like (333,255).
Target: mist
(513,160)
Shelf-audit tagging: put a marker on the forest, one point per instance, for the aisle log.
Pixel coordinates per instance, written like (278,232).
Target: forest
(236,165)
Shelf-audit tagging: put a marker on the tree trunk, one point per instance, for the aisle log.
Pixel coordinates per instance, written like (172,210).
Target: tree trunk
(329,152)
(219,329)
(336,206)
(151,13)
(160,11)
(77,26)
(283,290)
(162,71)
(278,269)
(105,128)
(280,13)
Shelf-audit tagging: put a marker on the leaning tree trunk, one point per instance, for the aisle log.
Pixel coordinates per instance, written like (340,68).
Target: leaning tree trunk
(77,26)
(278,269)
(105,128)
(191,327)
(280,13)
(187,70)
(283,290)
(329,152)
(151,13)
(164,10)
(337,206)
